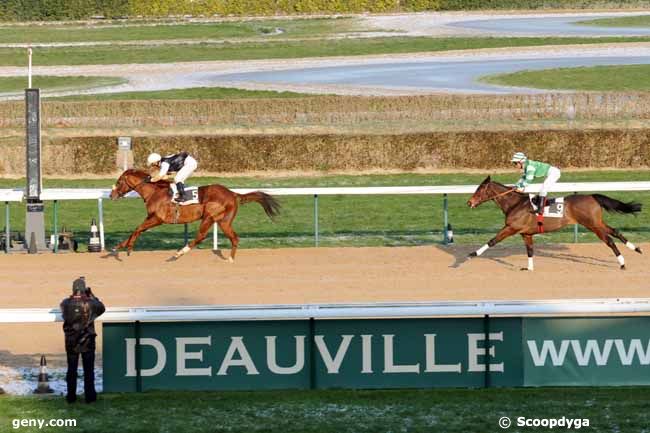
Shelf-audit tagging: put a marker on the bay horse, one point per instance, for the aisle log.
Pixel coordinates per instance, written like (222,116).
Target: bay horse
(217,204)
(586,210)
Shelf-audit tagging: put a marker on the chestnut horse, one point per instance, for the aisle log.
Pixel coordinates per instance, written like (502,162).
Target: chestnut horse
(586,210)
(217,204)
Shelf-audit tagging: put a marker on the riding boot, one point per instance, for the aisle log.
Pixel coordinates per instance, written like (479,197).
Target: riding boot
(181,192)
(541,202)
(174,191)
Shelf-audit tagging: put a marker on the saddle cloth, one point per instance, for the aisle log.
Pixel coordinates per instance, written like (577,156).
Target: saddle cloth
(554,207)
(192,191)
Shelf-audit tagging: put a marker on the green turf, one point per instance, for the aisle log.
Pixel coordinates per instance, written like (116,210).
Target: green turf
(167,31)
(50,83)
(596,78)
(338,411)
(274,50)
(191,93)
(632,21)
(343,220)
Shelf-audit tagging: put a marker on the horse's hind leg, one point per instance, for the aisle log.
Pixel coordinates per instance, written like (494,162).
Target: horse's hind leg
(227,230)
(614,232)
(603,234)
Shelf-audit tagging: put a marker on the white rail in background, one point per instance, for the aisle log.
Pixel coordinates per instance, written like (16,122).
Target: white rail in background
(569,187)
(343,311)
(99,194)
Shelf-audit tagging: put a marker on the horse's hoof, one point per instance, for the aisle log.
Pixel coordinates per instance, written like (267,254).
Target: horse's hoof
(638,250)
(623,267)
(182,251)
(128,253)
(525,269)
(231,260)
(473,254)
(114,250)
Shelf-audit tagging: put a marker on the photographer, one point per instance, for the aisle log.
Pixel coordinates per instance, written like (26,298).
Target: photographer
(79,313)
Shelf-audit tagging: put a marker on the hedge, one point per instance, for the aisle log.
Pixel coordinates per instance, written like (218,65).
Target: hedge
(42,10)
(485,150)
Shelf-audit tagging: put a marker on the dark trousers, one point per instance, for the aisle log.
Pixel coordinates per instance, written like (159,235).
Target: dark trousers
(88,362)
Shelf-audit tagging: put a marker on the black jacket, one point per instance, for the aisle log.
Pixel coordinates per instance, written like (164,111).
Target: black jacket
(175,161)
(79,313)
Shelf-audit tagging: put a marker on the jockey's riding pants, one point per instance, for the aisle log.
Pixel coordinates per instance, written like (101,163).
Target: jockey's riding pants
(187,170)
(552,177)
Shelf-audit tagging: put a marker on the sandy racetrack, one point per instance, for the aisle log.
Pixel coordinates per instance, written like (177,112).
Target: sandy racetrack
(312,275)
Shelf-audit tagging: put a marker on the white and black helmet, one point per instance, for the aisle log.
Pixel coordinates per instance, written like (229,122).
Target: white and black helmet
(153,158)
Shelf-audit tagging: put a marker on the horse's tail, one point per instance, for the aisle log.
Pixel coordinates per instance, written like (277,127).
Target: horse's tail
(268,202)
(613,205)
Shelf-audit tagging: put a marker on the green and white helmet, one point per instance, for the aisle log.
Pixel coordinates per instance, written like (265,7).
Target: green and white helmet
(519,157)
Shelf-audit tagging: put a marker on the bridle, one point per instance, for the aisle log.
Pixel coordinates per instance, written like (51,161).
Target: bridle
(501,194)
(132,188)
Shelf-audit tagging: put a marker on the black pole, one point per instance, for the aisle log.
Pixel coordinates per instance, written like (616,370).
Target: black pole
(138,358)
(486,328)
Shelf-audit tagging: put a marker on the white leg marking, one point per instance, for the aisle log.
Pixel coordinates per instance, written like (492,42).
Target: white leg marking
(621,260)
(530,264)
(182,251)
(630,245)
(482,249)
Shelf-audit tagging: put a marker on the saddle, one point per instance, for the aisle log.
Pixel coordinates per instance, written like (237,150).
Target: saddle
(554,208)
(191,196)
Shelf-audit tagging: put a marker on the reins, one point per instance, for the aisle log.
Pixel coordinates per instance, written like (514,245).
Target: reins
(500,194)
(143,181)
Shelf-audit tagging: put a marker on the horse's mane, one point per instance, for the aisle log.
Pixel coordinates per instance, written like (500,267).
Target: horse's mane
(143,173)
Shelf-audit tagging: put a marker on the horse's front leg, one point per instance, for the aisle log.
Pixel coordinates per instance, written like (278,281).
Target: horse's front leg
(200,236)
(505,232)
(151,221)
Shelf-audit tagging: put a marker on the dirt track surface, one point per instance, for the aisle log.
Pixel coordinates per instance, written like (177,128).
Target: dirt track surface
(311,275)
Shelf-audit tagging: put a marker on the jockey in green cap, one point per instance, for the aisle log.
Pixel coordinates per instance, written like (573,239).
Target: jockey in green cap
(533,169)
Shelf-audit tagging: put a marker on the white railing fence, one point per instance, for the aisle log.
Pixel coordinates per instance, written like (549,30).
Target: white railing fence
(553,307)
(99,194)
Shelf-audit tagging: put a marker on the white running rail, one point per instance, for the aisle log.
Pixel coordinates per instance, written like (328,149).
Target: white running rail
(342,311)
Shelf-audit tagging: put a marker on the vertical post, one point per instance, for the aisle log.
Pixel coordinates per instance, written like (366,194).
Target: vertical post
(316,219)
(29,68)
(312,354)
(215,237)
(138,358)
(486,328)
(56,227)
(575,230)
(7,229)
(445,219)
(186,235)
(100,212)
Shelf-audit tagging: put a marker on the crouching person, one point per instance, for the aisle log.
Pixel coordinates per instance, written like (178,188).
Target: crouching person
(79,313)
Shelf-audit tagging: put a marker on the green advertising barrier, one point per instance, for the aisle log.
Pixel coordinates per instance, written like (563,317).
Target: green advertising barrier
(376,353)
(396,353)
(587,351)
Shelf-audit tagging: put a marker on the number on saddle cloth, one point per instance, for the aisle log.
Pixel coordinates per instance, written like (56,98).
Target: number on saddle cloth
(192,194)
